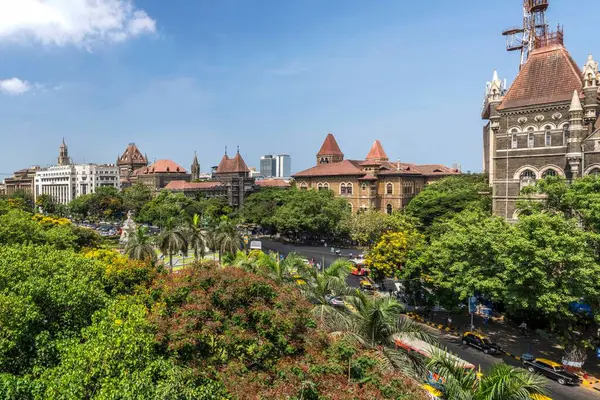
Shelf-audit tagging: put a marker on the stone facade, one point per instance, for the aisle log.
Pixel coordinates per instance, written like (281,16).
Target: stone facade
(374,183)
(131,160)
(21,181)
(545,124)
(158,175)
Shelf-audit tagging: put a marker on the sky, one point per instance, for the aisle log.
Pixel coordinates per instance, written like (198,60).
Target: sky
(269,76)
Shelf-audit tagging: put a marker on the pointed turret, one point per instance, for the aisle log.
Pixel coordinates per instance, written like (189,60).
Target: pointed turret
(330,151)
(195,169)
(575,103)
(576,133)
(377,153)
(63,154)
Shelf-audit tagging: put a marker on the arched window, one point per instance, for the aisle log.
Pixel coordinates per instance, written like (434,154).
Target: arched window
(515,141)
(530,140)
(408,188)
(342,189)
(527,178)
(548,140)
(514,130)
(549,172)
(595,171)
(363,187)
(320,186)
(326,186)
(388,209)
(303,186)
(389,189)
(565,134)
(351,207)
(349,188)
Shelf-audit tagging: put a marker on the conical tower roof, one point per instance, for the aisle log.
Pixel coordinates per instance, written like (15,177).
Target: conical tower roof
(377,153)
(132,155)
(330,147)
(575,102)
(549,76)
(195,161)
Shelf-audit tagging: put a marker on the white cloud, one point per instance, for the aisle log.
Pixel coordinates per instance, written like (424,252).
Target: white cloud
(76,22)
(14,86)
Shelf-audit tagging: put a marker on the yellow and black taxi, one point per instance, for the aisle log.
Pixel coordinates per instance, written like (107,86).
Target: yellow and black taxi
(366,286)
(481,342)
(550,369)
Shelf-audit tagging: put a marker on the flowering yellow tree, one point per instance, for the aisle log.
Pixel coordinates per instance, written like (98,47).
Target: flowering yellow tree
(390,253)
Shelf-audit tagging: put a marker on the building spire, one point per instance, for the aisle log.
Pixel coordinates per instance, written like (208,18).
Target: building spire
(575,102)
(225,150)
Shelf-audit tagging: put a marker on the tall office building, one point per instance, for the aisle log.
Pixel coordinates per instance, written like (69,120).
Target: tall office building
(283,166)
(268,167)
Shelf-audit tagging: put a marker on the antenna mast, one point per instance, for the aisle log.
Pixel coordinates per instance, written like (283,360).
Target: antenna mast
(535,28)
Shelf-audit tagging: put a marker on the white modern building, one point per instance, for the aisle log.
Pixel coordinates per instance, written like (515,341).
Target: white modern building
(283,166)
(67,182)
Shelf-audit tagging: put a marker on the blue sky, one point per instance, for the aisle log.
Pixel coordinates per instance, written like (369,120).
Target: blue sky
(273,76)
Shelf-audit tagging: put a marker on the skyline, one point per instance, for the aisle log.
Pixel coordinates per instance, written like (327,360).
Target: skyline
(174,79)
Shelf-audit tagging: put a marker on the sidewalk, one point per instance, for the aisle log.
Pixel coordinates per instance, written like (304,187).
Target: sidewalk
(514,343)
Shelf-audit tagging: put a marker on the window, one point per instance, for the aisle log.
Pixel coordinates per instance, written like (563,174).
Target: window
(388,209)
(595,171)
(389,189)
(320,186)
(565,134)
(326,186)
(515,142)
(530,140)
(548,137)
(527,178)
(363,187)
(303,186)
(549,172)
(408,188)
(342,189)
(349,189)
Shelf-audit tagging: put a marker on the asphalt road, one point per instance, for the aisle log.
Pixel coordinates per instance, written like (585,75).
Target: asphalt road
(475,357)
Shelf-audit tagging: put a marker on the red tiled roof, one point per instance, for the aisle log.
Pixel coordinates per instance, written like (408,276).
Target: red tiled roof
(161,167)
(330,147)
(549,76)
(132,155)
(183,185)
(280,183)
(436,169)
(345,167)
(231,165)
(377,153)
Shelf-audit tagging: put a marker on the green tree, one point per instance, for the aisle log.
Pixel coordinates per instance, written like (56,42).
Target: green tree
(172,240)
(466,259)
(196,238)
(501,382)
(449,196)
(166,206)
(139,245)
(228,238)
(259,208)
(135,197)
(368,227)
(105,203)
(389,255)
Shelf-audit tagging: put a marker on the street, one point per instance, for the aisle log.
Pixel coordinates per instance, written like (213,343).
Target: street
(475,357)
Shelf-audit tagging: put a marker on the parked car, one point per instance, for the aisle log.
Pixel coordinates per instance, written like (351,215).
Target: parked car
(481,342)
(550,369)
(366,286)
(335,301)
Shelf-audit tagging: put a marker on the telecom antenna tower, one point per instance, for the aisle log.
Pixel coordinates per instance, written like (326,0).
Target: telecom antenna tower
(535,29)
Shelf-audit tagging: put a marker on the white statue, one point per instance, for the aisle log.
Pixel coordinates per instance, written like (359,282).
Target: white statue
(128,228)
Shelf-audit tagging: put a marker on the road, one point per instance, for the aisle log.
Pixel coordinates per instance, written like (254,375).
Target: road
(475,357)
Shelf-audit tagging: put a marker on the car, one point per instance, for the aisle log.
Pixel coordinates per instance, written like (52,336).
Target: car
(481,342)
(358,271)
(335,301)
(366,286)
(540,397)
(550,369)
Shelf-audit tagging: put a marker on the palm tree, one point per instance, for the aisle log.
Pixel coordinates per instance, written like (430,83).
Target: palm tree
(228,238)
(139,245)
(374,323)
(321,286)
(502,382)
(282,270)
(196,238)
(172,240)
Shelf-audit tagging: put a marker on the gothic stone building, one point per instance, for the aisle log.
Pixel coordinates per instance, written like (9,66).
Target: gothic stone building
(545,124)
(232,181)
(372,183)
(131,160)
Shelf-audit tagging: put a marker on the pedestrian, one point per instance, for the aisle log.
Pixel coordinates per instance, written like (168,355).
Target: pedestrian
(523,328)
